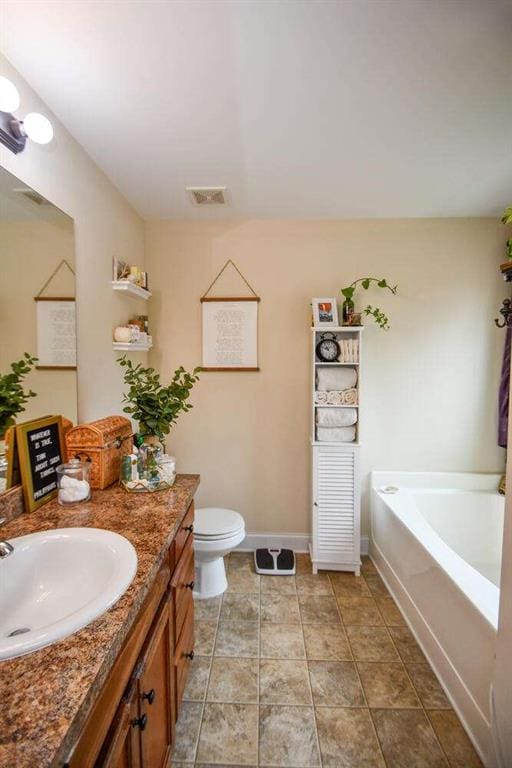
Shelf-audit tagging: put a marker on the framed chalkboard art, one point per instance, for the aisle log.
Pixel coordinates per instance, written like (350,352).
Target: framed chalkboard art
(40,451)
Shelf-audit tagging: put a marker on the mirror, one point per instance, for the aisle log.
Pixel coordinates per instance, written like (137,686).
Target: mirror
(37,307)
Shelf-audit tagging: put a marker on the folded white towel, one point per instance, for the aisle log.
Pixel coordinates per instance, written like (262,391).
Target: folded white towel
(335,397)
(336,434)
(349,396)
(321,398)
(336,417)
(335,378)
(349,350)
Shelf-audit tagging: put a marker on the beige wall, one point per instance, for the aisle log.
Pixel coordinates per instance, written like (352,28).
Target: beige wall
(29,252)
(429,385)
(105,224)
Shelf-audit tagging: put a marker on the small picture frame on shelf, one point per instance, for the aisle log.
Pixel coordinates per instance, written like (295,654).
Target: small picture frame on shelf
(325,313)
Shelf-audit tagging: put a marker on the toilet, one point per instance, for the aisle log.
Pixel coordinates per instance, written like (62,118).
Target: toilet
(216,532)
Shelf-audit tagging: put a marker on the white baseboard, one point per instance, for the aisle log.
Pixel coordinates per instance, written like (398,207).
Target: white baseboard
(299,542)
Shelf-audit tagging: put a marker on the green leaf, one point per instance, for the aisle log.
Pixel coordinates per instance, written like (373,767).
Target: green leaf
(366,283)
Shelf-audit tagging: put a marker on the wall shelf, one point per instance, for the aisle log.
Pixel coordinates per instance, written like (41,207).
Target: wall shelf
(318,362)
(330,405)
(132,290)
(132,347)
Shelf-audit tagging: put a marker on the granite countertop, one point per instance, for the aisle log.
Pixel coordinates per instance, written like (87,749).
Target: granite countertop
(47,695)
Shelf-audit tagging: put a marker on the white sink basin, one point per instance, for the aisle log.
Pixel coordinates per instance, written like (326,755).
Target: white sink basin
(56,582)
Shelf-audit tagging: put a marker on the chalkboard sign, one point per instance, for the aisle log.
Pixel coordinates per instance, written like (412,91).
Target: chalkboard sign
(40,450)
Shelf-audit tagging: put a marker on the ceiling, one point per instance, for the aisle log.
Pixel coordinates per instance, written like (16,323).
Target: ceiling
(303,109)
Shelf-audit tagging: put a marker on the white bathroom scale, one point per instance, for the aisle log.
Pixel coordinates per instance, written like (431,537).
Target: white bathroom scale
(275,562)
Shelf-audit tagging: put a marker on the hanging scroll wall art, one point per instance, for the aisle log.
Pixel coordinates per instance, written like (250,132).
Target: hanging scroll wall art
(56,328)
(230,329)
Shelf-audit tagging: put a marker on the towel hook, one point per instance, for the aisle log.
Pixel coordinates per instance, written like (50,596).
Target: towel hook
(506,313)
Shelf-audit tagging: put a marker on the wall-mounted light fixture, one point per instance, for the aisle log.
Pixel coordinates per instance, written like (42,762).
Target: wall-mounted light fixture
(14,132)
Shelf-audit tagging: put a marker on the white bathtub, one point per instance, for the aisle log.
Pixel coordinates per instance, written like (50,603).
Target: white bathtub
(437,542)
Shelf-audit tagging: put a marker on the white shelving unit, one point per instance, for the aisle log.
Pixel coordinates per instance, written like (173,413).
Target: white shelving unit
(120,346)
(129,288)
(336,514)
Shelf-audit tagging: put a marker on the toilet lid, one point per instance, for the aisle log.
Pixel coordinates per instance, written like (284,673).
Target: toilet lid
(213,522)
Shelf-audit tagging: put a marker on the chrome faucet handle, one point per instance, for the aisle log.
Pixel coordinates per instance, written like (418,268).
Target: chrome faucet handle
(3,520)
(5,548)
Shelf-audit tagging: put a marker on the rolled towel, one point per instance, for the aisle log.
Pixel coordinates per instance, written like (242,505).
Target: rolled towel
(349,396)
(321,398)
(335,378)
(335,397)
(336,417)
(336,434)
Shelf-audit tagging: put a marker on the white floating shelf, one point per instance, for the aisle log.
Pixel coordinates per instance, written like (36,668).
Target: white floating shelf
(330,405)
(337,329)
(133,347)
(133,290)
(318,362)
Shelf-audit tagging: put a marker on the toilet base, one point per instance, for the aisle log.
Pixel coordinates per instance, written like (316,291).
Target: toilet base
(210,578)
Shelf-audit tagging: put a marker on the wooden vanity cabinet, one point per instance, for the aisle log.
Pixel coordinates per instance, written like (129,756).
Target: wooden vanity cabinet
(132,722)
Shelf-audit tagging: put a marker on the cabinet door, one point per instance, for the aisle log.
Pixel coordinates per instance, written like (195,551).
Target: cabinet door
(336,504)
(155,693)
(123,742)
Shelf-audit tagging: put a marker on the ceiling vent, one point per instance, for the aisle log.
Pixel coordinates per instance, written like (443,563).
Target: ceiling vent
(207,195)
(32,195)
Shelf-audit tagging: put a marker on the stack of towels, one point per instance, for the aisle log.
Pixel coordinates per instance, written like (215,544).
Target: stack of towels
(349,350)
(336,386)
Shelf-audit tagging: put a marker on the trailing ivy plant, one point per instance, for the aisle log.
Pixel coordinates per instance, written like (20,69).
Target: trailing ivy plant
(154,406)
(507,219)
(12,395)
(365,283)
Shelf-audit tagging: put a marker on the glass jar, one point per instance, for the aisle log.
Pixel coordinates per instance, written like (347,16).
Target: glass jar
(73,482)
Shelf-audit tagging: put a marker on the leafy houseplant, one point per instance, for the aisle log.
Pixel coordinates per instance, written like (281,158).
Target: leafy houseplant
(12,395)
(365,282)
(154,406)
(507,219)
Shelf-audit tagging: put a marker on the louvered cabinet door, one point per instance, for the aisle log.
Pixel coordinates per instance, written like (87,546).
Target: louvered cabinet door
(336,524)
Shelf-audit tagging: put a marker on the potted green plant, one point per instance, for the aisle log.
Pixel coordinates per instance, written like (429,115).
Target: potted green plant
(154,406)
(12,395)
(507,219)
(365,283)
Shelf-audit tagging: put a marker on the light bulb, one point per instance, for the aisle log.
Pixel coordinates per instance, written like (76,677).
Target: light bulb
(38,128)
(9,96)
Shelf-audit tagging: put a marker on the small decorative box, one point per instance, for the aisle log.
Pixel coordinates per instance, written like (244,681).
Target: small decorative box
(103,443)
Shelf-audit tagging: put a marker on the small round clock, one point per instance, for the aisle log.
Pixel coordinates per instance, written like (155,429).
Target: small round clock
(328,349)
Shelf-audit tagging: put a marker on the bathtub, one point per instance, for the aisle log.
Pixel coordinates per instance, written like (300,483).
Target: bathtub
(436,538)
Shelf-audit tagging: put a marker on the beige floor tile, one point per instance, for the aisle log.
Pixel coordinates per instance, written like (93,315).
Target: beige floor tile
(360,611)
(233,680)
(307,584)
(407,646)
(280,609)
(326,642)
(376,585)
(282,585)
(427,686)
(347,738)
(236,607)
(241,561)
(187,732)
(229,734)
(207,610)
(284,682)
(288,737)
(281,641)
(386,684)
(243,581)
(303,563)
(349,585)
(371,644)
(367,565)
(197,679)
(237,638)
(204,633)
(390,612)
(407,739)
(454,740)
(335,683)
(318,609)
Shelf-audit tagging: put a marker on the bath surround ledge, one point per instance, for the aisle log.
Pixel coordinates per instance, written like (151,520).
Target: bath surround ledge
(47,695)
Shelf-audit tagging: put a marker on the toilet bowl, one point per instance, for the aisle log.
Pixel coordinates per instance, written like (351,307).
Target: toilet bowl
(216,532)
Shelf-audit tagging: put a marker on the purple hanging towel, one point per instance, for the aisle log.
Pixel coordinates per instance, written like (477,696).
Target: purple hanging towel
(504,391)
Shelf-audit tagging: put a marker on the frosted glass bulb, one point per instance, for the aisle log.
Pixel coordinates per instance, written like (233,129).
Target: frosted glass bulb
(9,96)
(38,128)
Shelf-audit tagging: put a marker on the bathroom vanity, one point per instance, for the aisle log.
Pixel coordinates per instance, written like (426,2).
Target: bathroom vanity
(110,694)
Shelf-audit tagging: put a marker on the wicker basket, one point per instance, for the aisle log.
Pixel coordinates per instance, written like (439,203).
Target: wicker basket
(103,442)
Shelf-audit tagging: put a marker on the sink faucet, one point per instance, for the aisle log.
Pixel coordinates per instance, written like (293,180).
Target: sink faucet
(6,549)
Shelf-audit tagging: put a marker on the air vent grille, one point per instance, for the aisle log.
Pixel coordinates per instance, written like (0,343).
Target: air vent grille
(32,195)
(207,195)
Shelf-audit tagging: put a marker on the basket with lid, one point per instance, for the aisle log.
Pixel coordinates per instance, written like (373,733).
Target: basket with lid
(103,442)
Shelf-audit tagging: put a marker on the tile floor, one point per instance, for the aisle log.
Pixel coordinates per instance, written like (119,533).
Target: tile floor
(312,672)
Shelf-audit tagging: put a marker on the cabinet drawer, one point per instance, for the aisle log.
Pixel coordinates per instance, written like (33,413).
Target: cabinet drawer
(182,584)
(183,655)
(184,533)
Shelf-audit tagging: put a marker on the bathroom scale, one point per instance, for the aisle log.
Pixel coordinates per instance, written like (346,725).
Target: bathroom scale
(275,562)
